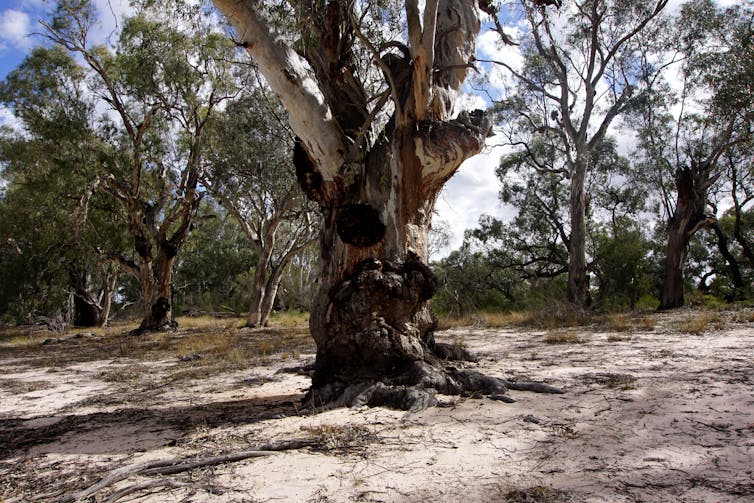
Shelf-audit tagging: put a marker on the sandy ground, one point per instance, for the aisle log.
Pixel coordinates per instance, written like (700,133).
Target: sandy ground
(651,413)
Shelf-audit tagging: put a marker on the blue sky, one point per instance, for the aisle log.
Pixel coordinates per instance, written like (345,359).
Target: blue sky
(18,19)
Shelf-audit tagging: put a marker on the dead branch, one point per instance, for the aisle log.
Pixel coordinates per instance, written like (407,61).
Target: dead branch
(150,484)
(173,466)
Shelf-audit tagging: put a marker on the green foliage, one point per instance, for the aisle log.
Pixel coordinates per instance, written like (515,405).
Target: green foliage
(622,266)
(213,273)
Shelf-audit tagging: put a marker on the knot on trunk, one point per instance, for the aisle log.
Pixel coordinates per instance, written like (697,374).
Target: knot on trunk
(359,225)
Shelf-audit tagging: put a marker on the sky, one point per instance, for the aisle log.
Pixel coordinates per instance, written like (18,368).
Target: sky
(470,193)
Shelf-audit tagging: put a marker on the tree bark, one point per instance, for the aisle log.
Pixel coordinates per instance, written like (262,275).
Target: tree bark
(258,286)
(688,217)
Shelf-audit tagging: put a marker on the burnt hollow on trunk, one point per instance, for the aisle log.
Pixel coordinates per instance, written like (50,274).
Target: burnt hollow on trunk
(359,225)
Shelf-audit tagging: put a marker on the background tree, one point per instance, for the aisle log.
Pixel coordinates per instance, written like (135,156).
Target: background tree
(580,72)
(682,153)
(160,85)
(534,244)
(250,172)
(60,230)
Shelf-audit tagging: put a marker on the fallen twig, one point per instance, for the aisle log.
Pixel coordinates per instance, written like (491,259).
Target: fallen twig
(173,466)
(150,484)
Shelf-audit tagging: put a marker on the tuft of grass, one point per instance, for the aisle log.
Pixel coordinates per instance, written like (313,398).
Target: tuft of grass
(700,323)
(290,319)
(744,317)
(646,323)
(619,337)
(619,323)
(562,337)
(620,381)
(207,322)
(559,315)
(536,494)
(341,436)
(128,373)
(213,346)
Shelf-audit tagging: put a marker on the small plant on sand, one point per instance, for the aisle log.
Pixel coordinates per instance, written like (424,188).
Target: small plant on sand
(127,373)
(700,323)
(536,494)
(646,323)
(562,337)
(341,436)
(619,323)
(619,337)
(620,381)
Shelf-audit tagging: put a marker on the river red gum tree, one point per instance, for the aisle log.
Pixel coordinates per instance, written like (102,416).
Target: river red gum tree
(376,186)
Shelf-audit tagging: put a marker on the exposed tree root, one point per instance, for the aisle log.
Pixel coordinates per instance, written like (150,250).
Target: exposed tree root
(173,466)
(414,389)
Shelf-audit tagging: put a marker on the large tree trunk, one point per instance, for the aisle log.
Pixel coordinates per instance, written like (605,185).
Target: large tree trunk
(370,318)
(577,275)
(687,219)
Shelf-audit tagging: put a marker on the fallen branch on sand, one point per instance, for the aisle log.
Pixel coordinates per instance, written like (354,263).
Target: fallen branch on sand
(173,466)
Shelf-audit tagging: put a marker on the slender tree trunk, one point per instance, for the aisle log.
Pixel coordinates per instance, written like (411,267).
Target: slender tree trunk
(108,288)
(734,270)
(672,296)
(687,219)
(270,293)
(577,275)
(259,281)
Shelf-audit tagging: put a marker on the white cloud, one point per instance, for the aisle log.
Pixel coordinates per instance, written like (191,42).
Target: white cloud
(472,192)
(15,27)
(110,14)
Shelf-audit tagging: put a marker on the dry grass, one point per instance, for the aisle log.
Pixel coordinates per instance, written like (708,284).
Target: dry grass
(619,337)
(700,323)
(341,437)
(620,381)
(536,494)
(562,337)
(646,323)
(561,315)
(743,317)
(125,374)
(290,319)
(206,322)
(619,323)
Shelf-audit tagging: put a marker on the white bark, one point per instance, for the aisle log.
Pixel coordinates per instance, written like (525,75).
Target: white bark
(290,77)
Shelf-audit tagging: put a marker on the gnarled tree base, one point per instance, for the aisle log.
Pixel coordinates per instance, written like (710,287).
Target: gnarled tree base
(415,388)
(377,347)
